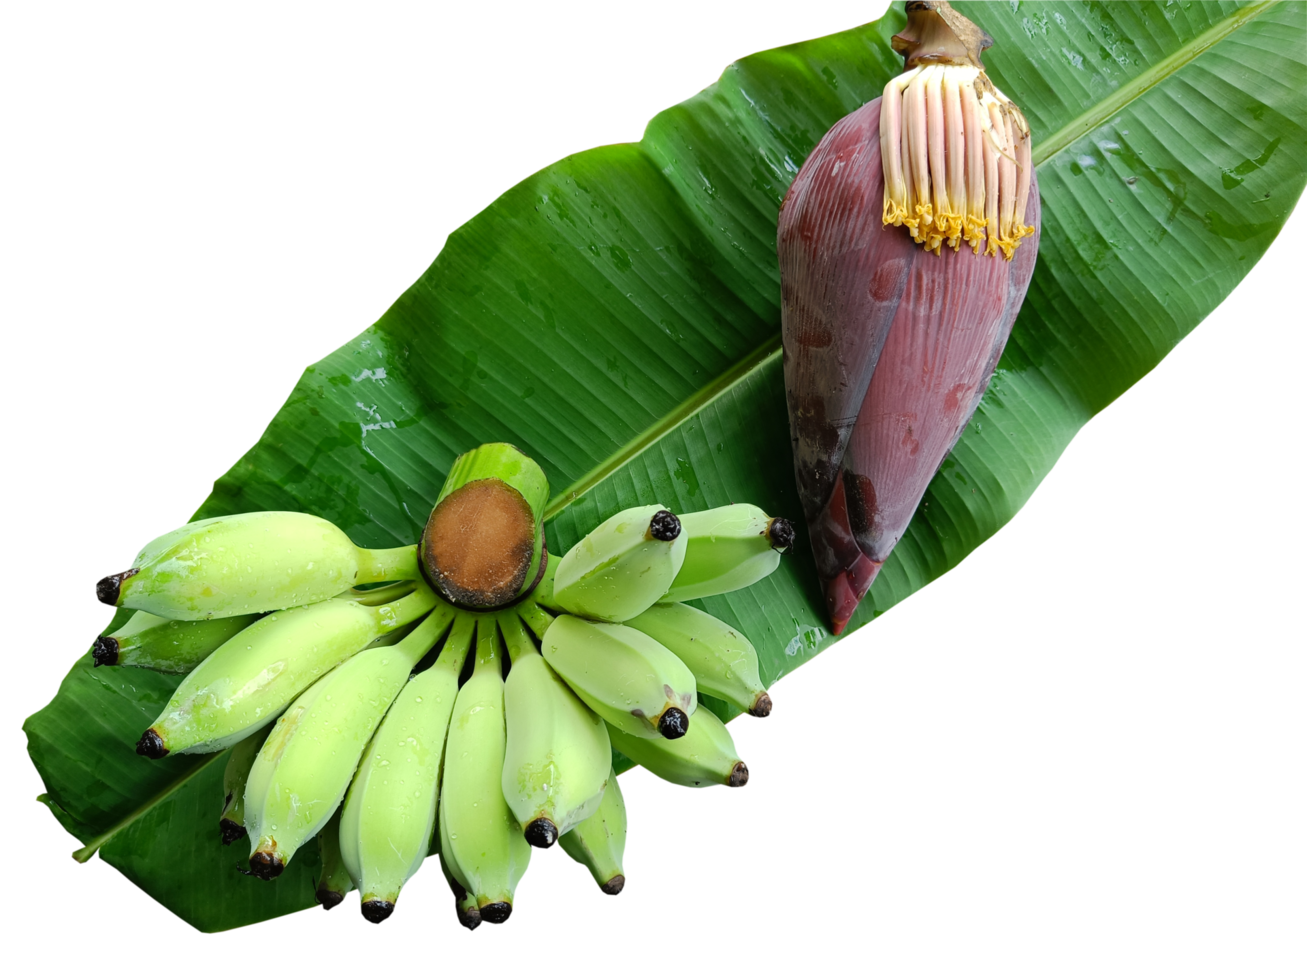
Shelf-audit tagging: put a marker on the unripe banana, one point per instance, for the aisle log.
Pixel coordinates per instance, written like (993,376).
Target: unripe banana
(622,567)
(705,757)
(599,841)
(234,777)
(390,810)
(728,548)
(480,838)
(304,768)
(557,755)
(169,646)
(249,679)
(631,681)
(249,563)
(722,659)
(465,904)
(334,882)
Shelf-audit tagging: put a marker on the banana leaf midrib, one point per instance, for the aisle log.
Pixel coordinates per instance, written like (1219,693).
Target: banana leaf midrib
(1146,80)
(761,357)
(87,851)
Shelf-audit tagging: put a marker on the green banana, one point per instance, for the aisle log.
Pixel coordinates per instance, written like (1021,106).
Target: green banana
(334,882)
(390,810)
(304,767)
(254,675)
(728,548)
(599,841)
(234,777)
(479,837)
(557,756)
(622,567)
(722,659)
(629,680)
(705,757)
(169,646)
(249,563)
(465,904)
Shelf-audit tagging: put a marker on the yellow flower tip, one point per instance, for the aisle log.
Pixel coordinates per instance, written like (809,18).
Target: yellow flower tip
(952,160)
(894,212)
(973,230)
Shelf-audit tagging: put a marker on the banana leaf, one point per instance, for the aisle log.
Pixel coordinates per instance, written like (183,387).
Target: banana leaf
(616,315)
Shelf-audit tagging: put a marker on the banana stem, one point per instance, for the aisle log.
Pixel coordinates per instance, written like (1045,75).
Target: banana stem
(387,564)
(490,646)
(516,637)
(379,596)
(393,615)
(535,616)
(424,637)
(457,644)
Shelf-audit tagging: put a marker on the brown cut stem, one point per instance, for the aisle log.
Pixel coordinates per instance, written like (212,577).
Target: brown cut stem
(478,545)
(937,34)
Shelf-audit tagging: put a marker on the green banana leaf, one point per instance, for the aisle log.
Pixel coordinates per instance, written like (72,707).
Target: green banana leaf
(617,316)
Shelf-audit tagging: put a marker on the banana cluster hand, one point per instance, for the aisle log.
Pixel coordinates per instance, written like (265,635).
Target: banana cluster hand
(332,673)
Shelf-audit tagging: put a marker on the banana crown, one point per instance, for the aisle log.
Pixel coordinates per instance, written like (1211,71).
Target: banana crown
(484,542)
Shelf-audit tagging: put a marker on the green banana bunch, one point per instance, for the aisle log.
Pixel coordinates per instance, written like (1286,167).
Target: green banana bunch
(728,548)
(706,756)
(480,839)
(255,674)
(723,661)
(169,646)
(557,756)
(390,811)
(629,680)
(234,777)
(599,841)
(249,563)
(334,882)
(622,567)
(304,767)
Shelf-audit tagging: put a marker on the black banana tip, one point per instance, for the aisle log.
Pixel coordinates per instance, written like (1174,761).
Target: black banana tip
(739,775)
(674,723)
(761,705)
(266,865)
(614,885)
(231,831)
(541,832)
(151,745)
(109,588)
(496,912)
(780,533)
(377,910)
(329,899)
(665,526)
(468,918)
(105,651)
